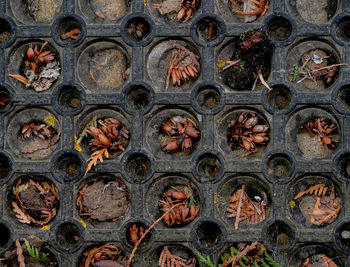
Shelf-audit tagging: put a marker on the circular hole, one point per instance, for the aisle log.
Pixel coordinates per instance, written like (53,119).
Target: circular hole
(279,166)
(103,66)
(69,29)
(209,234)
(138,165)
(279,29)
(208,29)
(208,97)
(9,257)
(138,97)
(102,253)
(5,235)
(248,132)
(112,203)
(259,202)
(39,72)
(280,97)
(279,234)
(179,135)
(178,251)
(343,29)
(235,67)
(344,235)
(5,99)
(315,201)
(5,167)
(314,143)
(343,97)
(68,234)
(134,233)
(177,59)
(68,166)
(175,11)
(69,98)
(5,31)
(138,29)
(316,12)
(344,165)
(33,200)
(304,61)
(208,166)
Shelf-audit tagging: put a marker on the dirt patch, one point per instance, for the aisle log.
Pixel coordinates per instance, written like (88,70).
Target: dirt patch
(314,11)
(105,201)
(107,68)
(10,256)
(111,9)
(43,10)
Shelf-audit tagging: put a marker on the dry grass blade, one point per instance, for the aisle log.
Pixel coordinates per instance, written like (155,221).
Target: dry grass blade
(20,257)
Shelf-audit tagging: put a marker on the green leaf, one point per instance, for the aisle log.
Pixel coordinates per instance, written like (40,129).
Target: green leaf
(192,200)
(255,264)
(295,73)
(207,261)
(263,263)
(225,257)
(271,261)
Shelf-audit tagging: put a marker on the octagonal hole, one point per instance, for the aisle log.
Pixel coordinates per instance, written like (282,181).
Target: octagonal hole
(68,166)
(5,30)
(208,165)
(138,97)
(208,97)
(138,165)
(137,29)
(69,98)
(279,166)
(279,28)
(280,234)
(209,234)
(208,29)
(343,29)
(68,234)
(69,29)
(280,97)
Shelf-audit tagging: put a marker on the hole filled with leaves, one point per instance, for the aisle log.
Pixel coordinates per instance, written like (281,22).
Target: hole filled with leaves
(69,98)
(279,166)
(279,28)
(138,29)
(279,234)
(69,29)
(208,165)
(68,234)
(138,165)
(135,231)
(208,29)
(5,235)
(138,97)
(5,30)
(208,234)
(208,97)
(280,97)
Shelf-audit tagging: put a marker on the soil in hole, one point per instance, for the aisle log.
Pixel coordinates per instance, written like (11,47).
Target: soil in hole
(209,234)
(279,167)
(110,9)
(279,29)
(209,166)
(4,168)
(68,234)
(208,30)
(5,36)
(105,201)
(10,256)
(107,68)
(42,10)
(211,101)
(5,235)
(139,166)
(316,11)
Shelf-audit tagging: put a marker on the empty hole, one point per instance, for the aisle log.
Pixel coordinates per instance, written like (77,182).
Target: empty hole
(134,233)
(209,234)
(69,98)
(279,166)
(5,31)
(138,165)
(344,164)
(68,166)
(69,29)
(5,99)
(208,97)
(4,167)
(138,97)
(343,97)
(344,235)
(138,29)
(5,235)
(208,29)
(208,165)
(343,29)
(279,29)
(68,234)
(279,234)
(280,97)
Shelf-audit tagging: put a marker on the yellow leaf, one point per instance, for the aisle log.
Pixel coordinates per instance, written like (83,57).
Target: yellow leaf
(76,145)
(46,228)
(50,120)
(292,204)
(83,223)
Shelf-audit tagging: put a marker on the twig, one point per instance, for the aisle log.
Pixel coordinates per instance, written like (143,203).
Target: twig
(147,231)
(240,203)
(255,82)
(20,257)
(262,80)
(193,56)
(331,66)
(240,254)
(210,30)
(230,65)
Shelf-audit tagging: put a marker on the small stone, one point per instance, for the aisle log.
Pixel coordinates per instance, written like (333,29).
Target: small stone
(345,234)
